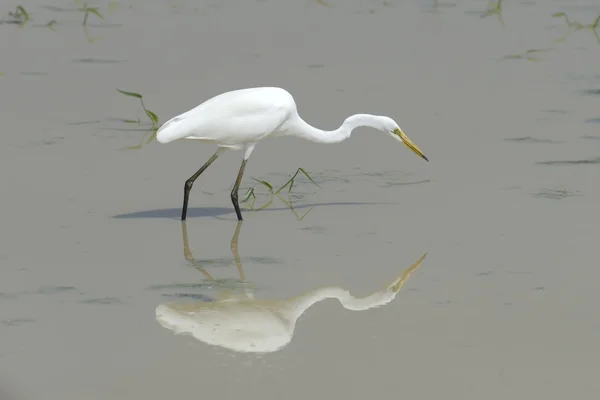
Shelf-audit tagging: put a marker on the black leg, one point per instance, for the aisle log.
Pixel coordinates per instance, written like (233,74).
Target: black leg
(234,191)
(190,182)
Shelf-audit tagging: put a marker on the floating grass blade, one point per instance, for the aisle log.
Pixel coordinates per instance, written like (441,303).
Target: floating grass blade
(152,116)
(131,94)
(87,10)
(571,24)
(249,193)
(95,12)
(51,25)
(267,184)
(494,8)
(20,16)
(291,181)
(23,12)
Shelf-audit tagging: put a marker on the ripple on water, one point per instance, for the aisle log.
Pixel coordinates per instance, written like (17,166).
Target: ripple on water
(103,300)
(590,161)
(13,322)
(556,193)
(591,92)
(531,139)
(97,61)
(44,290)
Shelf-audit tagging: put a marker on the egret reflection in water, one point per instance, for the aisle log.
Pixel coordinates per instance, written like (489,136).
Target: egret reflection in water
(241,323)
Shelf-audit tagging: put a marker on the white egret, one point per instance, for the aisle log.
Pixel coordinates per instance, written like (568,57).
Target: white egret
(244,324)
(238,119)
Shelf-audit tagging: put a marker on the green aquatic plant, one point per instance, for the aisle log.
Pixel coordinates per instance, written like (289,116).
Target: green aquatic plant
(577,26)
(51,25)
(494,8)
(250,194)
(571,24)
(151,132)
(153,117)
(20,16)
(87,10)
(291,181)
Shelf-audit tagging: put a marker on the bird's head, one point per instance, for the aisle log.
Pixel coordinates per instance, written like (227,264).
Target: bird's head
(390,126)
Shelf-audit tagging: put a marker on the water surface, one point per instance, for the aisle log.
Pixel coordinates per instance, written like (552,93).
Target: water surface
(505,303)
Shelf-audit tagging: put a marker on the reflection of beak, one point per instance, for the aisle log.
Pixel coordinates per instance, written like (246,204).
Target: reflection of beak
(410,144)
(399,282)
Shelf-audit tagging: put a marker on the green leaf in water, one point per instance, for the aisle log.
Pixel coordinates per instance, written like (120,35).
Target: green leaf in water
(131,94)
(267,184)
(95,12)
(249,193)
(291,181)
(152,116)
(51,25)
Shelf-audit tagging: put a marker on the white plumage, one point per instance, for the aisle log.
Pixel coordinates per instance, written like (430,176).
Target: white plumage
(247,325)
(232,119)
(239,119)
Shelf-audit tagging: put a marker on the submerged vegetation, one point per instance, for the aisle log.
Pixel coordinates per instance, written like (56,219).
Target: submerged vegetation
(19,17)
(494,8)
(153,117)
(86,10)
(250,194)
(150,135)
(576,26)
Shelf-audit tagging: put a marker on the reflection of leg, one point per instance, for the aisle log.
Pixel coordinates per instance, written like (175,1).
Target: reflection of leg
(236,255)
(187,253)
(234,250)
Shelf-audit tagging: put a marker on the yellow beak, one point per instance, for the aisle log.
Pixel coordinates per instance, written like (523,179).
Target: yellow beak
(410,144)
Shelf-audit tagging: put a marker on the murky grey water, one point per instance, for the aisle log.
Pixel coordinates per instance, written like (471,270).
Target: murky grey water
(504,304)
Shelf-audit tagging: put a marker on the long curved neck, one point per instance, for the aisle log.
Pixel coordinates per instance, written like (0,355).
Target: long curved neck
(306,131)
(301,303)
